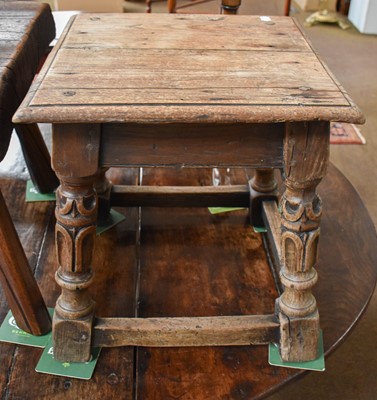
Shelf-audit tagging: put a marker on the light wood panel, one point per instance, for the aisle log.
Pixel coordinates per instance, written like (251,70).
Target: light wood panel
(132,68)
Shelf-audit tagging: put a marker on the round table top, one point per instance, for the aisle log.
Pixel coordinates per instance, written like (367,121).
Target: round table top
(193,264)
(187,262)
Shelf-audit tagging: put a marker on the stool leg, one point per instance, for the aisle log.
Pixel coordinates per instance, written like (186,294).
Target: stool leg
(20,288)
(103,188)
(306,152)
(37,157)
(76,212)
(75,159)
(262,187)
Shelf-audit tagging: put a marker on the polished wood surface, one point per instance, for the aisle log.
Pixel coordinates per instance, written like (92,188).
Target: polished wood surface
(135,276)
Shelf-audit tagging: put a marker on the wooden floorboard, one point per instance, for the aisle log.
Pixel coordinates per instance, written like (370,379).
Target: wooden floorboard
(191,265)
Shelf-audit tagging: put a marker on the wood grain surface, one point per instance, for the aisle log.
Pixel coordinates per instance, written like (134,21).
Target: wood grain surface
(184,262)
(194,145)
(191,68)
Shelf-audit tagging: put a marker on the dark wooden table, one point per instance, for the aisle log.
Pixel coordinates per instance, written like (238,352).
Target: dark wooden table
(199,91)
(26,29)
(137,254)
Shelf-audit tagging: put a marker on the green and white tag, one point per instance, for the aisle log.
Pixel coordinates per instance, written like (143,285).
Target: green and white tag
(48,365)
(220,210)
(316,365)
(259,229)
(32,194)
(11,333)
(114,218)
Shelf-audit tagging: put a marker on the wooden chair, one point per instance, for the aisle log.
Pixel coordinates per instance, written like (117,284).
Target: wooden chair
(227,6)
(172,6)
(32,29)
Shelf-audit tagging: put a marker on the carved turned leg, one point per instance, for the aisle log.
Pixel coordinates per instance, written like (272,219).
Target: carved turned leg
(262,187)
(306,152)
(75,160)
(76,212)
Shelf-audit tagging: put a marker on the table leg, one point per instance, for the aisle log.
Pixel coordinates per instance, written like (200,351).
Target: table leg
(76,162)
(306,152)
(262,187)
(17,280)
(76,211)
(103,188)
(37,157)
(171,6)
(149,6)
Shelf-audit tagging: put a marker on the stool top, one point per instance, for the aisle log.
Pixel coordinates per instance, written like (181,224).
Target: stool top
(163,68)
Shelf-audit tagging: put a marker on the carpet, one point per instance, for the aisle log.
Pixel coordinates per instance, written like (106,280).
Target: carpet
(343,133)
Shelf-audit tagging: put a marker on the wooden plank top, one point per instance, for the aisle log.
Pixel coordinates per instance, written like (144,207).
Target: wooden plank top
(162,68)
